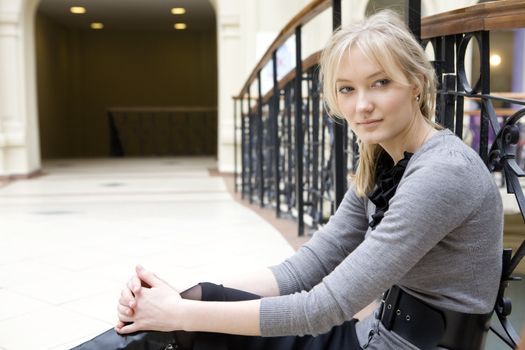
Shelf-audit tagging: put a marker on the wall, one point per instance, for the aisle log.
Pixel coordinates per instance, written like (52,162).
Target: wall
(502,43)
(52,84)
(82,73)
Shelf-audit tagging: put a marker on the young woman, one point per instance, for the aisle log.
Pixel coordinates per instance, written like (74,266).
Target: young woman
(422,219)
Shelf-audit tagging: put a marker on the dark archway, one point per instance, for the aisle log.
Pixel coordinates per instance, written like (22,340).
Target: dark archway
(138,63)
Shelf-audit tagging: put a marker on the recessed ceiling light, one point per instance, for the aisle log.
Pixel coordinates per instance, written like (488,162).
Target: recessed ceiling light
(495,60)
(97,25)
(178,10)
(78,10)
(180,26)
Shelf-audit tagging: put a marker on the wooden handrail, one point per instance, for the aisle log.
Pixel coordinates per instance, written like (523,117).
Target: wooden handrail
(508,14)
(499,112)
(160,109)
(505,14)
(308,63)
(514,95)
(307,13)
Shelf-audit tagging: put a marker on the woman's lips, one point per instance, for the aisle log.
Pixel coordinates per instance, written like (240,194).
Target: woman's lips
(369,123)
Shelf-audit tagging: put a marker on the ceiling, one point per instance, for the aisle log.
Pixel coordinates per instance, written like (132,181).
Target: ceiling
(131,14)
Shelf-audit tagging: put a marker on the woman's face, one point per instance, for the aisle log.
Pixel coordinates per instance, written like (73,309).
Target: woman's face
(378,109)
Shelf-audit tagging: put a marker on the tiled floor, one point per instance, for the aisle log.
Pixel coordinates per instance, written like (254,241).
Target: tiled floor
(71,238)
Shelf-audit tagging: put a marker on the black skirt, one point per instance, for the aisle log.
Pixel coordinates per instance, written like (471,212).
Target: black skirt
(339,337)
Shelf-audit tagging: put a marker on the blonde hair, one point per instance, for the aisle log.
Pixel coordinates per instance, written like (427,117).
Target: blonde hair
(384,38)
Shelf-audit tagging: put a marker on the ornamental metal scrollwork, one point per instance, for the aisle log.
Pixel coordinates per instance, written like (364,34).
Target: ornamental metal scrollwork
(462,75)
(502,157)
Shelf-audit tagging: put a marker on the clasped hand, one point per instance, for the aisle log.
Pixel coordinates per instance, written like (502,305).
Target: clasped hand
(148,303)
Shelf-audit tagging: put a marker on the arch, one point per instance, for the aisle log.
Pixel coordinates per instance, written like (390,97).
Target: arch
(122,66)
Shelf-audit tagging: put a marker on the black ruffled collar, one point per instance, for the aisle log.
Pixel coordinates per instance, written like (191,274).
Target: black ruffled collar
(388,176)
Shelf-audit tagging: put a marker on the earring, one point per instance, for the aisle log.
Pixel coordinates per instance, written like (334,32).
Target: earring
(418,98)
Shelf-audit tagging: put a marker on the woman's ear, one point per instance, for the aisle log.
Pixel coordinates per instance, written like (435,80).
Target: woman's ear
(418,85)
(417,94)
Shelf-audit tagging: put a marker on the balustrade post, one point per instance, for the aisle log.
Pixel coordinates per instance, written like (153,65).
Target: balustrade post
(307,150)
(316,104)
(260,157)
(485,89)
(448,82)
(275,127)
(325,120)
(243,149)
(235,144)
(438,63)
(299,141)
(289,136)
(413,17)
(460,100)
(336,14)
(339,129)
(250,148)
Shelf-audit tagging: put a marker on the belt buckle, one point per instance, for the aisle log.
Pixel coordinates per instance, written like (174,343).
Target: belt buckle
(381,309)
(382,304)
(389,306)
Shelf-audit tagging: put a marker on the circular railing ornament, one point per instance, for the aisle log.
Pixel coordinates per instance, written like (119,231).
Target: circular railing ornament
(462,75)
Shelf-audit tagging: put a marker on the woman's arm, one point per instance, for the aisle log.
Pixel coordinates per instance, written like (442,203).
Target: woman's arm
(261,282)
(238,317)
(328,247)
(160,307)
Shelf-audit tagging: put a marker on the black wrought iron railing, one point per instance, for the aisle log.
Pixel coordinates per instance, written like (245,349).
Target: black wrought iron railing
(162,131)
(295,159)
(289,146)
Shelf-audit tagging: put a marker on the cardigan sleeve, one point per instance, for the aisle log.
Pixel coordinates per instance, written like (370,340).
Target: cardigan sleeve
(326,249)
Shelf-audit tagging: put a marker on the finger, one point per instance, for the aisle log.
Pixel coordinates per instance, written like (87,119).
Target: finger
(129,328)
(147,276)
(124,310)
(134,284)
(132,304)
(124,317)
(127,298)
(119,325)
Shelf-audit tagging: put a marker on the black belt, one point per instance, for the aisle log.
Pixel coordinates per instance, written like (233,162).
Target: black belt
(428,326)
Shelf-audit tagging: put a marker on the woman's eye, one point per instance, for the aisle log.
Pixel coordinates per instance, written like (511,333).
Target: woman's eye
(381,82)
(345,89)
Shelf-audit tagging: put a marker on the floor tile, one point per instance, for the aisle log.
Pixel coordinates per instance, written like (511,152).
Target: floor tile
(15,305)
(63,287)
(101,307)
(47,328)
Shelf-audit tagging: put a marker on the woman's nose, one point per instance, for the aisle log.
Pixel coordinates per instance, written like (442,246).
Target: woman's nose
(364,104)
